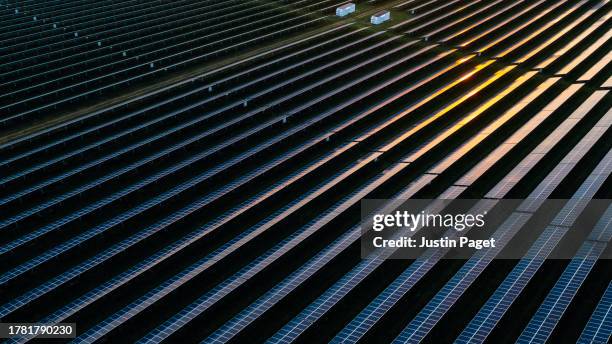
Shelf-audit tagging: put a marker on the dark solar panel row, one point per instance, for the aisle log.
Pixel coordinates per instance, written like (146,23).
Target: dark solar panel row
(219,89)
(227,206)
(89,21)
(353,201)
(428,317)
(300,323)
(550,311)
(113,62)
(486,319)
(599,327)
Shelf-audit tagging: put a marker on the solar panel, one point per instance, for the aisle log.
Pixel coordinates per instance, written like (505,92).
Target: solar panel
(435,29)
(603,230)
(585,54)
(530,21)
(332,295)
(428,317)
(528,55)
(422,15)
(70,124)
(599,327)
(297,322)
(502,24)
(226,176)
(496,306)
(183,126)
(564,167)
(233,282)
(291,331)
(418,328)
(490,314)
(480,21)
(574,42)
(596,68)
(472,117)
(169,61)
(95,206)
(550,311)
(261,305)
(527,163)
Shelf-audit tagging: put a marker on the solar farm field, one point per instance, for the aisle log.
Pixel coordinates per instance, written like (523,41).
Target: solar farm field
(193,171)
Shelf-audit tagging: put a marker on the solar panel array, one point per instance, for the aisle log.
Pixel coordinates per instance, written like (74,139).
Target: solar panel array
(193,170)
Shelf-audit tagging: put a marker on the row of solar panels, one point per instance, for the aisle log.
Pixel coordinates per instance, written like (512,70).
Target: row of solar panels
(65,63)
(136,222)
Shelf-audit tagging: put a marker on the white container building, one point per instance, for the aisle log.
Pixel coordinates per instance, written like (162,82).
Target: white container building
(380,17)
(345,9)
